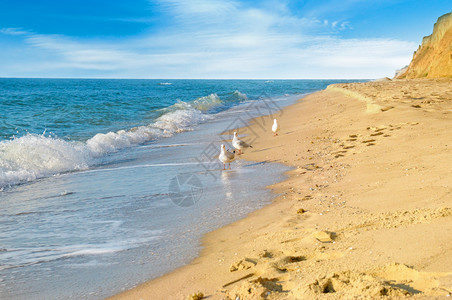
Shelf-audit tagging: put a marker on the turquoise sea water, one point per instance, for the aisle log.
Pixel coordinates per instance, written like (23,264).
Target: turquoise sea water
(107,183)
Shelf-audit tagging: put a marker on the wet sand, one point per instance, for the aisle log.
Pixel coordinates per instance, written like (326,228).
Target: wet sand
(365,213)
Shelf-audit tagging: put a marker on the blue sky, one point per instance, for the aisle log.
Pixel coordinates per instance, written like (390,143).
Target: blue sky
(212,39)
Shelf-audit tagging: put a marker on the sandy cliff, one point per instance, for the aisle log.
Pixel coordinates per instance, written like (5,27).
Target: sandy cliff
(433,59)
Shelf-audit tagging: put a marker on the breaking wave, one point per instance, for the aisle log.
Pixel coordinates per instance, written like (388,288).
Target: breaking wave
(33,156)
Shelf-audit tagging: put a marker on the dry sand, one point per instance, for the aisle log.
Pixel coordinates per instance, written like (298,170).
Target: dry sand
(365,213)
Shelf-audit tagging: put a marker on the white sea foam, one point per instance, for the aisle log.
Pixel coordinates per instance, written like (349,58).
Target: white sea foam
(240,96)
(31,157)
(21,257)
(207,102)
(35,156)
(146,166)
(95,251)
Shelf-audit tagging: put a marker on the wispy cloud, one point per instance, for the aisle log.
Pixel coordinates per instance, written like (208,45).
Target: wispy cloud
(222,39)
(199,7)
(13,31)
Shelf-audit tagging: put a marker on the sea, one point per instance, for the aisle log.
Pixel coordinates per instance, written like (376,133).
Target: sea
(105,184)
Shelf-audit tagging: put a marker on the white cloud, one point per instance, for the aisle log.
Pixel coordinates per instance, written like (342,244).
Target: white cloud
(13,31)
(198,7)
(221,39)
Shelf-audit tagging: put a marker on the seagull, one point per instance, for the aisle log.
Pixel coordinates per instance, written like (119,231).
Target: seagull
(226,157)
(275,127)
(239,144)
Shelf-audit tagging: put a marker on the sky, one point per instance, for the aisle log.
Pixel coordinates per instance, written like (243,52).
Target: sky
(212,39)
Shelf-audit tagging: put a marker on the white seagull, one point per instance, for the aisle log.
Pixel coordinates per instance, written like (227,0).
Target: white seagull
(275,127)
(226,157)
(239,144)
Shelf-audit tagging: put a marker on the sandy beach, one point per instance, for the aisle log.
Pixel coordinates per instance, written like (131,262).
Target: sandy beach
(365,213)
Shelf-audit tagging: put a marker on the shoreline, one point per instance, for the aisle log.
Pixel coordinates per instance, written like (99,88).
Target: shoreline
(365,211)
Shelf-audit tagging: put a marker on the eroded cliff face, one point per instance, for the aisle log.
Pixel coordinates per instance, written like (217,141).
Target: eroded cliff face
(433,59)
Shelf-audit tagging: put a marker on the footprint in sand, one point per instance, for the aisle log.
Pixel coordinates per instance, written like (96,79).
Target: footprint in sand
(376,133)
(349,147)
(324,236)
(386,108)
(368,141)
(348,283)
(339,153)
(255,289)
(271,269)
(243,264)
(286,264)
(306,197)
(400,218)
(352,137)
(266,254)
(377,129)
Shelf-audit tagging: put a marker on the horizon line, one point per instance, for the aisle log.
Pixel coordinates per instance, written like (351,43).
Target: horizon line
(106,78)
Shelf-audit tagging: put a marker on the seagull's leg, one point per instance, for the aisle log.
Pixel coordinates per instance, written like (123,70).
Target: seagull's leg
(224,166)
